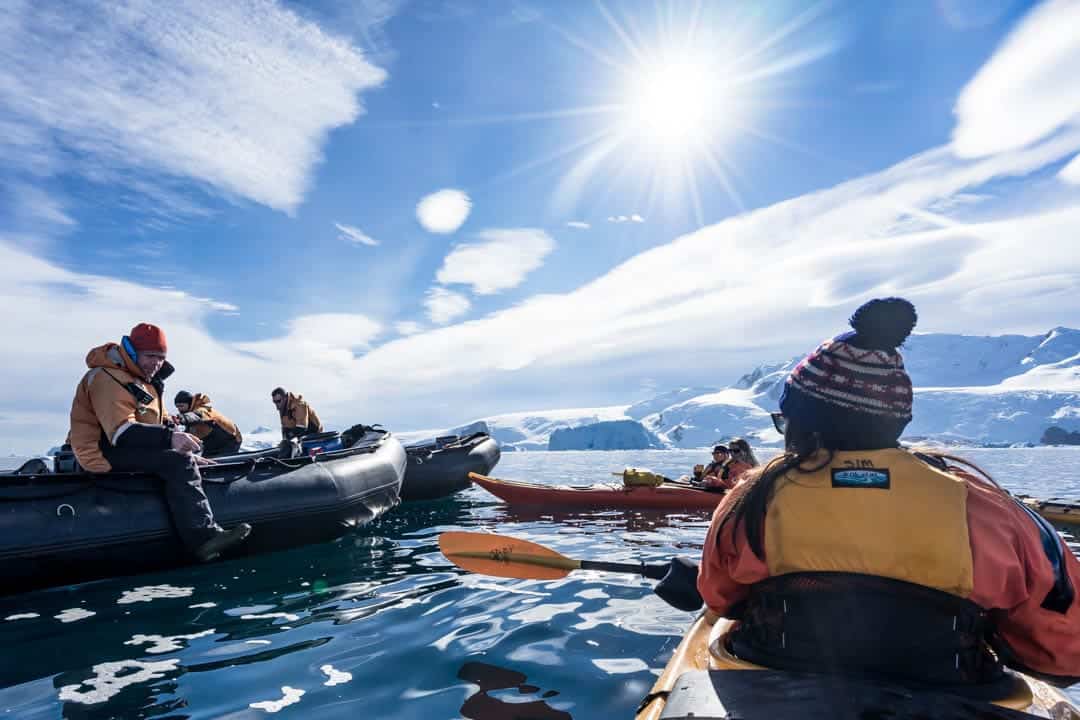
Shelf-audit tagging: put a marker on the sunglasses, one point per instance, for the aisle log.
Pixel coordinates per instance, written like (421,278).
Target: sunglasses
(779,422)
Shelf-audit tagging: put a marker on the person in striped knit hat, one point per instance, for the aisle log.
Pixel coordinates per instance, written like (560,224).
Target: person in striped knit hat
(853,391)
(849,554)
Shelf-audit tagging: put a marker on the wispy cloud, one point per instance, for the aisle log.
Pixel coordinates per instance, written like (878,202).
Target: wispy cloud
(1071,172)
(154,88)
(500,261)
(408,327)
(354,235)
(1028,89)
(579,225)
(619,219)
(443,212)
(326,340)
(445,305)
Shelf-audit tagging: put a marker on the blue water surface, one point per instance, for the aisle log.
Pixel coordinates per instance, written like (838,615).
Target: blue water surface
(379,625)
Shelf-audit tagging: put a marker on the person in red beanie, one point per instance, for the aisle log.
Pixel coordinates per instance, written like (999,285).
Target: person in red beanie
(118,424)
(852,555)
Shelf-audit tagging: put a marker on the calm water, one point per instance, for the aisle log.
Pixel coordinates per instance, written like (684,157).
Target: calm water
(379,625)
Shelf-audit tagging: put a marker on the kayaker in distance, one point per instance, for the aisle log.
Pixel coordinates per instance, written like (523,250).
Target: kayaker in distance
(850,554)
(297,417)
(117,424)
(727,466)
(219,434)
(743,453)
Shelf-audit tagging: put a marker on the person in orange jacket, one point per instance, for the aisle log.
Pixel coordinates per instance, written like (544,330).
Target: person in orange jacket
(118,424)
(851,554)
(297,417)
(219,435)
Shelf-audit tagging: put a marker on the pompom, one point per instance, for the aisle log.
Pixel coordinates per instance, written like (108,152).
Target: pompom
(883,323)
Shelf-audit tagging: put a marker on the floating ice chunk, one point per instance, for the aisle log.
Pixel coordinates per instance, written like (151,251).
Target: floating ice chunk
(203,605)
(112,677)
(73,614)
(291,696)
(146,593)
(165,643)
(620,666)
(22,616)
(335,677)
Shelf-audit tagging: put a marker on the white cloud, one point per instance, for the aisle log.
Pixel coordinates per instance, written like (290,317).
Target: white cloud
(578,225)
(501,261)
(1071,172)
(355,235)
(1028,89)
(444,211)
(408,327)
(328,340)
(445,305)
(237,96)
(619,219)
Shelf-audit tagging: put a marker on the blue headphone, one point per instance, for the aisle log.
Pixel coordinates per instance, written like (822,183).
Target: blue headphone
(129,348)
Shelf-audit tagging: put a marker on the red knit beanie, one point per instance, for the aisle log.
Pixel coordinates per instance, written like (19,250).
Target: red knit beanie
(145,336)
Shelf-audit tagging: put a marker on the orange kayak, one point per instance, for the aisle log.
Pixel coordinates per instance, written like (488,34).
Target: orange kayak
(665,497)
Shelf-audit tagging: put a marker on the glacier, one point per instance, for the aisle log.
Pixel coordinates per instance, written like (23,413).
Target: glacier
(974,390)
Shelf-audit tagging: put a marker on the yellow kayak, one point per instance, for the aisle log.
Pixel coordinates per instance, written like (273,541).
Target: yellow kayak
(1060,512)
(750,692)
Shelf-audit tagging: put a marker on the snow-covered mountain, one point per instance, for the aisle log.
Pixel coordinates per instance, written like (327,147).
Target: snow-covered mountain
(983,390)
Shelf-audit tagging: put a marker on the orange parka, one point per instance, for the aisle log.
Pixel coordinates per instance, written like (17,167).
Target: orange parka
(105,404)
(299,415)
(202,407)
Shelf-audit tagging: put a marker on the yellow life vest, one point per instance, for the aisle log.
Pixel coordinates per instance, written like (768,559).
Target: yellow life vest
(640,477)
(881,512)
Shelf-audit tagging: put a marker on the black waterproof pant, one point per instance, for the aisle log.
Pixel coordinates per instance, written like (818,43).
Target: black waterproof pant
(190,510)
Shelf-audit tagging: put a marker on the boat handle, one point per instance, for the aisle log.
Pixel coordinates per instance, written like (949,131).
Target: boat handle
(60,509)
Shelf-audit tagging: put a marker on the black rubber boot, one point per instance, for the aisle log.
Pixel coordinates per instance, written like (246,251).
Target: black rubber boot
(212,548)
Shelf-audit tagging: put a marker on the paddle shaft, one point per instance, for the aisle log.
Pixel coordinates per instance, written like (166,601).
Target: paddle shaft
(653,572)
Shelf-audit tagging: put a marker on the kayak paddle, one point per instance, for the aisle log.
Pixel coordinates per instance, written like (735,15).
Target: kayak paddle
(509,557)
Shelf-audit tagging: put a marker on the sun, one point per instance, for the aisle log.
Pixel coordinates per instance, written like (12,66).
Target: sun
(674,105)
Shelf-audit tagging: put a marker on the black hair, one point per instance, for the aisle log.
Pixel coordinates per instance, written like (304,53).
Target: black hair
(277,391)
(183,397)
(754,494)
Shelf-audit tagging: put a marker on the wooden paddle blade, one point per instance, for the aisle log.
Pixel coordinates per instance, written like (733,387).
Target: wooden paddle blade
(502,556)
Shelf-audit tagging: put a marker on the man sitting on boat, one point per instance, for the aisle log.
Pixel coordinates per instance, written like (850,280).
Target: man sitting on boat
(117,424)
(219,434)
(297,417)
(853,555)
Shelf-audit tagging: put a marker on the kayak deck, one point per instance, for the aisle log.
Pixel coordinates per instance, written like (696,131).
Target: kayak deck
(1057,511)
(703,683)
(665,497)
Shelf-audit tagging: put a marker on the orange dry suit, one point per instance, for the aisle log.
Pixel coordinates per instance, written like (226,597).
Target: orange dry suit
(218,433)
(861,536)
(298,418)
(112,399)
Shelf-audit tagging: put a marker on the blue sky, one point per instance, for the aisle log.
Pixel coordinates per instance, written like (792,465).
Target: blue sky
(423,212)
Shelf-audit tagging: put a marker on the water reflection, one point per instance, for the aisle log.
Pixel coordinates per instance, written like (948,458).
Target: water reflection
(483,705)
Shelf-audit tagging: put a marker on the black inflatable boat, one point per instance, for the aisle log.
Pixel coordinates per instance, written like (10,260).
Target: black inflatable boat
(441,467)
(61,528)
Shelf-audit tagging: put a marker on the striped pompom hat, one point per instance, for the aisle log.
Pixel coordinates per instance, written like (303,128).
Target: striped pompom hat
(853,390)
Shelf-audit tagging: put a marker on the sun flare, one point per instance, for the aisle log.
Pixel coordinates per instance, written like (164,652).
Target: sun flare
(673,104)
